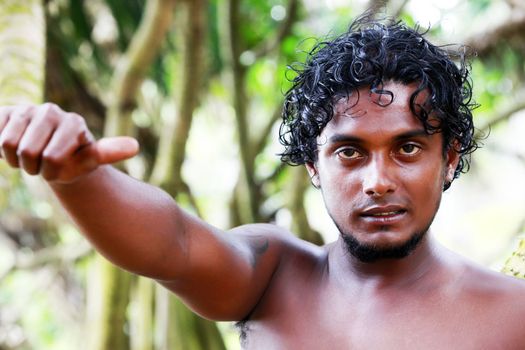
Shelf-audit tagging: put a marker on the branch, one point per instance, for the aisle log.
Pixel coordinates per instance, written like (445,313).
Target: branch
(515,4)
(516,104)
(133,65)
(235,216)
(298,186)
(192,76)
(375,6)
(484,43)
(276,172)
(191,198)
(263,139)
(167,171)
(397,10)
(240,105)
(284,30)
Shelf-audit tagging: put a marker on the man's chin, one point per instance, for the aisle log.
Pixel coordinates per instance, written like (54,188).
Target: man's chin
(369,253)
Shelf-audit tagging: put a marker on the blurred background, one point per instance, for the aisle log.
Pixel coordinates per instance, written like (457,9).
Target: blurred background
(200,84)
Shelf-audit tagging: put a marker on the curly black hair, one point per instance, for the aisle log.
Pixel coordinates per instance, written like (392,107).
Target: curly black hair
(370,53)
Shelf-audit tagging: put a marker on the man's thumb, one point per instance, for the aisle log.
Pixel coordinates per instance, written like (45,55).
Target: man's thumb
(114,149)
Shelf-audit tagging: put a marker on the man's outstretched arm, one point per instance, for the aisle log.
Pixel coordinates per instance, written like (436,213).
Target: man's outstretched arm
(137,226)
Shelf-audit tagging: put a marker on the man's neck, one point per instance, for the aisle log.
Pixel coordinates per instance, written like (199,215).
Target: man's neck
(384,273)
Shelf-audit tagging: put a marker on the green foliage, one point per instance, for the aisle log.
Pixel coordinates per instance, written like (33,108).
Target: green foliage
(479,6)
(515,264)
(258,12)
(127,16)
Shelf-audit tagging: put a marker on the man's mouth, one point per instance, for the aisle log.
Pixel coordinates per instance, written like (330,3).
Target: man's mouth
(388,213)
(382,215)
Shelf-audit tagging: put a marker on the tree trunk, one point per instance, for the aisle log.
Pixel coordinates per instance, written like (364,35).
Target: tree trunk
(298,185)
(176,326)
(22,48)
(133,65)
(141,317)
(247,201)
(129,75)
(108,298)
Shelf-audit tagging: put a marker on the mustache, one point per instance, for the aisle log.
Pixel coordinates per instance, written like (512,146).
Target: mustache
(370,202)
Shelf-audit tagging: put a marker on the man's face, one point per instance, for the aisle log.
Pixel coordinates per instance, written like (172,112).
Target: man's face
(380,173)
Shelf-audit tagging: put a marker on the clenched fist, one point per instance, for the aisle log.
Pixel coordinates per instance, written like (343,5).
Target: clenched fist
(56,144)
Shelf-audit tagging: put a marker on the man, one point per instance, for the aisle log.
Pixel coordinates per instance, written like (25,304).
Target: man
(382,120)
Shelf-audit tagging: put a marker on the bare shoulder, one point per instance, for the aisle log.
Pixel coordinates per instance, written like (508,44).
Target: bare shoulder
(493,282)
(294,260)
(262,238)
(476,280)
(480,289)
(489,304)
(504,294)
(297,265)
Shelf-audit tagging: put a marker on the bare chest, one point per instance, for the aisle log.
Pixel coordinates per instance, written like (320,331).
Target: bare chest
(303,321)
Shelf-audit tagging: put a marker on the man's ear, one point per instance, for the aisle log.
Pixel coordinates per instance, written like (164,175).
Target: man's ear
(452,160)
(314,175)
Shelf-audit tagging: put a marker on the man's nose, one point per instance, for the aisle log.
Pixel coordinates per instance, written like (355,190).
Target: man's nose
(379,177)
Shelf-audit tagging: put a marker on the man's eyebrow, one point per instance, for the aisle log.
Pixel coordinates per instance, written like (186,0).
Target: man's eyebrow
(411,134)
(342,138)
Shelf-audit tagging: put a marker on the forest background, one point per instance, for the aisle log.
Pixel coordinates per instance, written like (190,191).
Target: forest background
(200,84)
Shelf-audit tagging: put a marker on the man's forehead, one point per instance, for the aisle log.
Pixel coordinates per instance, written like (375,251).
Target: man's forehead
(394,100)
(390,92)
(360,118)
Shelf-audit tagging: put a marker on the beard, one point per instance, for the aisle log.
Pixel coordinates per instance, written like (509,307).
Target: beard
(369,253)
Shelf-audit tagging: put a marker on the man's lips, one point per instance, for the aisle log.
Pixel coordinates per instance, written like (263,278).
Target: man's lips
(383,214)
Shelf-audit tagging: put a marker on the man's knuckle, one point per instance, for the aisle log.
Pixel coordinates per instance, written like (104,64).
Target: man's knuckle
(77,120)
(49,108)
(31,169)
(53,159)
(47,111)
(8,144)
(27,153)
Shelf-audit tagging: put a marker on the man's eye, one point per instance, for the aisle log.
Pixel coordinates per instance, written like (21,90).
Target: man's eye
(409,149)
(348,153)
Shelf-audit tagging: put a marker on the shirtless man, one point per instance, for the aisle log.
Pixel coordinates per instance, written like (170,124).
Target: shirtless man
(382,120)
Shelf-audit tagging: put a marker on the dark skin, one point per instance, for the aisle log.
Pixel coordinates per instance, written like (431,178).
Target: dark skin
(381,179)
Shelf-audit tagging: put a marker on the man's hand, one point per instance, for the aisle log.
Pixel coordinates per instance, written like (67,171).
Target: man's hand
(58,145)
